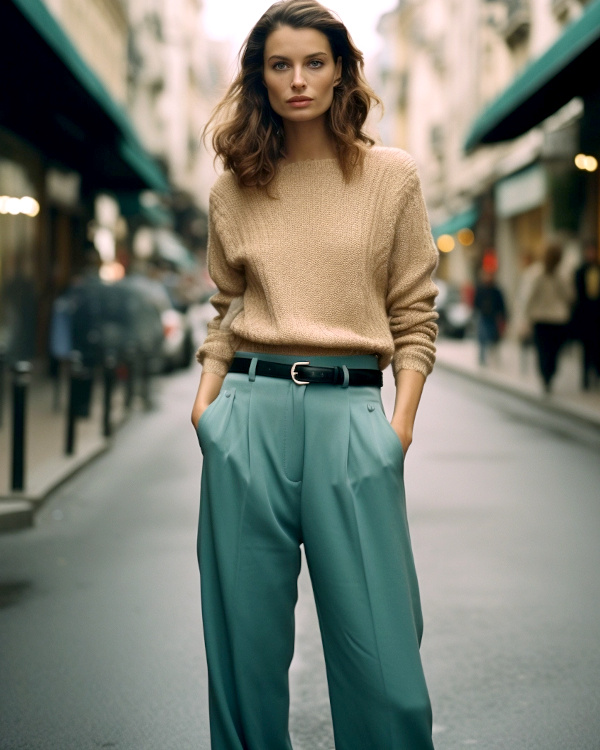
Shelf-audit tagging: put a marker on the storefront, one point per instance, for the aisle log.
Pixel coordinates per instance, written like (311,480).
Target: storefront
(556,195)
(21,177)
(458,245)
(63,140)
(559,77)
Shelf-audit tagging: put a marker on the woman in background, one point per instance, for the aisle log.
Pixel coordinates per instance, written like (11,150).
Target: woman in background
(548,310)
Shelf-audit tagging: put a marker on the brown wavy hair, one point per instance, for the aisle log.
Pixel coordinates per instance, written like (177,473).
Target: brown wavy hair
(248,135)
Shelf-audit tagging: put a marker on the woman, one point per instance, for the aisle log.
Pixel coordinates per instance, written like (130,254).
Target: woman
(548,310)
(321,250)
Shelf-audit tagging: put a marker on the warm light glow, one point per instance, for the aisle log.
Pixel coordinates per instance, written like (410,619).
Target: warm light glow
(15,206)
(586,162)
(112,271)
(30,206)
(465,236)
(445,243)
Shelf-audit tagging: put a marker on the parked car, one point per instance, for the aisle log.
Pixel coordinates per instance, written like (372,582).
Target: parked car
(177,347)
(456,316)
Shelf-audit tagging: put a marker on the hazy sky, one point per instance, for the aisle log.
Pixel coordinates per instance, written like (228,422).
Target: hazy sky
(233,19)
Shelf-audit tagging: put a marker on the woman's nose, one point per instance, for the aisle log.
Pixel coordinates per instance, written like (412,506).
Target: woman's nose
(298,81)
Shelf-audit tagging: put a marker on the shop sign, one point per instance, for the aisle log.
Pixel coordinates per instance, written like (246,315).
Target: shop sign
(521,192)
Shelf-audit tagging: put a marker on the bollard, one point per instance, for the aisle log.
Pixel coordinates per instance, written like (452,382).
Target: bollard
(21,378)
(110,365)
(76,375)
(3,359)
(145,366)
(130,364)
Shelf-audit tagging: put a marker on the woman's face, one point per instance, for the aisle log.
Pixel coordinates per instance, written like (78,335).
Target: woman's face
(300,73)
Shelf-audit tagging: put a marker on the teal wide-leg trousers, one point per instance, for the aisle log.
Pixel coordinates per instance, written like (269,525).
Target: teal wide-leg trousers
(318,465)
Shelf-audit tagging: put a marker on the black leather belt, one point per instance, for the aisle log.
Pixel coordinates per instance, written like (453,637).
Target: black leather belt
(303,373)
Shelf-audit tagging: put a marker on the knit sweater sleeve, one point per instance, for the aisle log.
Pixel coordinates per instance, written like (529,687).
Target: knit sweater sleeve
(218,349)
(411,291)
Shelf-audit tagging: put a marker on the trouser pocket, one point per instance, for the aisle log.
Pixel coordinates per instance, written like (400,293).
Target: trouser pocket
(215,417)
(375,409)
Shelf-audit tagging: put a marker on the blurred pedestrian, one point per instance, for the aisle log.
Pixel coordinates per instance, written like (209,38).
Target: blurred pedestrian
(548,310)
(75,325)
(322,254)
(530,269)
(490,307)
(586,318)
(77,313)
(19,310)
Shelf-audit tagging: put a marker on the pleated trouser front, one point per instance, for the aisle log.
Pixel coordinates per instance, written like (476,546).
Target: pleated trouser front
(318,465)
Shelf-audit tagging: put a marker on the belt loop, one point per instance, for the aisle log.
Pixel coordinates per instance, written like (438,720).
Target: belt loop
(346,377)
(252,370)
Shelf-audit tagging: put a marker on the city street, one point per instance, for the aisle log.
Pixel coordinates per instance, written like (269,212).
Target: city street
(100,627)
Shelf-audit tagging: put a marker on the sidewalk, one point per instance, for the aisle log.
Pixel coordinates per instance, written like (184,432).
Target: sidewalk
(516,372)
(46,465)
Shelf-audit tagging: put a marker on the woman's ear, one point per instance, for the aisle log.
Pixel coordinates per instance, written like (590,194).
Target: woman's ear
(338,72)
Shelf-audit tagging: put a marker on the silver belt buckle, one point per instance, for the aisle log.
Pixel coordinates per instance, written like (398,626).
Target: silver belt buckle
(293,373)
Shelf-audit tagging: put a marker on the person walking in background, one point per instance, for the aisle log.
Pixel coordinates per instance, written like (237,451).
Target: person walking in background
(491,314)
(548,309)
(530,269)
(322,253)
(586,318)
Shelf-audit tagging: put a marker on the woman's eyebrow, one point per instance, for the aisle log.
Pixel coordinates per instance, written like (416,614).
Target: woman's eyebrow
(283,57)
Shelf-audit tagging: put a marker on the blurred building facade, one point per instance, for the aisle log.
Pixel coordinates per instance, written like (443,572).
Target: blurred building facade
(495,101)
(176,75)
(99,126)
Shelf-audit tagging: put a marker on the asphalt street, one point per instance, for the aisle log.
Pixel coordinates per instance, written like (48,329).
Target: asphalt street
(100,627)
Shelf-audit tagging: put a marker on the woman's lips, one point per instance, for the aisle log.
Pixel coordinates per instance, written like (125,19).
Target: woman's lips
(299,103)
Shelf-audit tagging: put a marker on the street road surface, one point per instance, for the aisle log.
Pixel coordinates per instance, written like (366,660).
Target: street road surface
(100,627)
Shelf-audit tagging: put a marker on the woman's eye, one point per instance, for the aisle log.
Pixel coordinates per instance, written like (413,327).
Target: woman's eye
(316,63)
(279,66)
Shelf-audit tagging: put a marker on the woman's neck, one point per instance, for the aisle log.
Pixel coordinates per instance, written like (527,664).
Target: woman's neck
(308,140)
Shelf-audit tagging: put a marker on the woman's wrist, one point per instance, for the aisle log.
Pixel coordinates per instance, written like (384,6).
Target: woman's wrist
(404,430)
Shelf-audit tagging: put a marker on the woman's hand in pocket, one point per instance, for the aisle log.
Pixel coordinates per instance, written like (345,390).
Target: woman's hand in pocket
(208,390)
(404,435)
(197,413)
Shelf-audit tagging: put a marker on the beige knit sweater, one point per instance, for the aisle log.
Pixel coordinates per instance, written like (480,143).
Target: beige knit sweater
(326,267)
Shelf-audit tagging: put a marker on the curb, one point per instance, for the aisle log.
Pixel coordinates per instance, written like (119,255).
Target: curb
(561,408)
(16,515)
(17,509)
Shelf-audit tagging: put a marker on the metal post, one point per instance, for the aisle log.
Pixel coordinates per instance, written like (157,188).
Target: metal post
(2,381)
(145,381)
(130,364)
(75,377)
(21,378)
(110,364)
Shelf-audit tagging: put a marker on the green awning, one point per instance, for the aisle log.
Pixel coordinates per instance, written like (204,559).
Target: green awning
(465,220)
(125,142)
(157,215)
(564,71)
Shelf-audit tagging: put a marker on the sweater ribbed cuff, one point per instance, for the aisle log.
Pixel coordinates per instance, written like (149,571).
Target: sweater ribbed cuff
(216,366)
(424,366)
